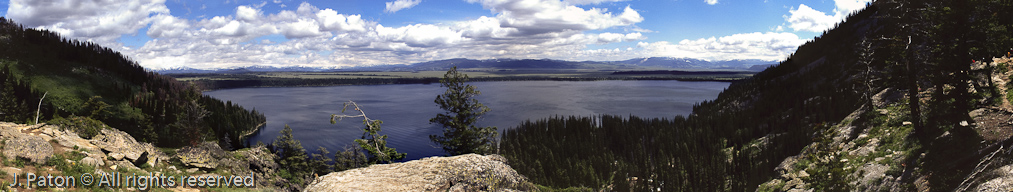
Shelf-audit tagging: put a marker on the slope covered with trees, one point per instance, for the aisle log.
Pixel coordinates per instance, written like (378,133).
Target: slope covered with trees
(924,48)
(150,106)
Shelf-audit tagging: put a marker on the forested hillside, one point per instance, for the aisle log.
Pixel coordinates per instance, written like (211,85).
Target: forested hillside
(82,81)
(925,49)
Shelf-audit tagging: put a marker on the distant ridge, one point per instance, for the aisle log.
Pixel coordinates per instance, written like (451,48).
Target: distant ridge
(508,64)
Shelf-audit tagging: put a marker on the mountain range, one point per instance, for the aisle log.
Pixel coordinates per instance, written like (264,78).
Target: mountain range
(508,64)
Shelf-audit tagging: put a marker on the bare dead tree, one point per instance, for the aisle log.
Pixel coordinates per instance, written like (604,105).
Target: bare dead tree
(192,121)
(865,57)
(40,107)
(376,144)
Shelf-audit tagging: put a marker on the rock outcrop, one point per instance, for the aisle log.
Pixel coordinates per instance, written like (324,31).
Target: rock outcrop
(458,173)
(257,160)
(35,149)
(116,142)
(1003,181)
(204,156)
(19,144)
(112,150)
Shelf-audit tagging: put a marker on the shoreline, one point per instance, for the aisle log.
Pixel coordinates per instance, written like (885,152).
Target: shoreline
(214,85)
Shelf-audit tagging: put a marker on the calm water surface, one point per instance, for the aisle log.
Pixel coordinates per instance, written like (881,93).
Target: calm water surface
(406,109)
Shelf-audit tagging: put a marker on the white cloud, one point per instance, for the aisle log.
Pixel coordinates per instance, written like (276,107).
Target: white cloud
(765,46)
(805,18)
(248,14)
(167,26)
(419,35)
(99,21)
(605,38)
(301,29)
(711,2)
(400,5)
(330,20)
(552,16)
(534,29)
(483,28)
(847,6)
(589,2)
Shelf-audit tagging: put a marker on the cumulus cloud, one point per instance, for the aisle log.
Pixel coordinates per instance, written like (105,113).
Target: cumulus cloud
(555,29)
(711,2)
(100,21)
(605,38)
(330,20)
(167,26)
(765,46)
(589,2)
(398,5)
(248,14)
(301,29)
(805,18)
(552,16)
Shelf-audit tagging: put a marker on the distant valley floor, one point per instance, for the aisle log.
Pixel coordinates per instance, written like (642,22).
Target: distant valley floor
(214,81)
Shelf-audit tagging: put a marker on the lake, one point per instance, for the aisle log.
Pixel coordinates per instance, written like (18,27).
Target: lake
(406,109)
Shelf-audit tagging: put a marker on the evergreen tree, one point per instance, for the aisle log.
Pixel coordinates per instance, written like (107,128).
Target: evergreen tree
(349,158)
(293,159)
(320,163)
(10,106)
(192,121)
(460,135)
(97,109)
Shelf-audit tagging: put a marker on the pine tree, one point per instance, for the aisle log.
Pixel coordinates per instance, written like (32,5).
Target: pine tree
(349,158)
(192,121)
(96,108)
(293,158)
(460,135)
(320,162)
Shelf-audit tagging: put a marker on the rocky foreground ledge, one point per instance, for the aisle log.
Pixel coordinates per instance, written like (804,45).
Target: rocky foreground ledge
(112,150)
(469,172)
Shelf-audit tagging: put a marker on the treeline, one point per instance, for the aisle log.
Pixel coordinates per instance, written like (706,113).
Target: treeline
(626,154)
(734,142)
(253,81)
(717,148)
(149,106)
(16,97)
(677,72)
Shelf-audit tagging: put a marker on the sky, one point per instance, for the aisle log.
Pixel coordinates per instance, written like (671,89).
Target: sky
(203,34)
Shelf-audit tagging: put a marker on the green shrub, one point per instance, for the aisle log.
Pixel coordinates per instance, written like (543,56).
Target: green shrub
(83,126)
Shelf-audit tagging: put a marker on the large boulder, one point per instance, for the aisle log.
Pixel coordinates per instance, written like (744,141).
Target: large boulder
(31,147)
(69,138)
(152,155)
(116,141)
(260,160)
(8,129)
(92,161)
(1002,182)
(205,156)
(469,172)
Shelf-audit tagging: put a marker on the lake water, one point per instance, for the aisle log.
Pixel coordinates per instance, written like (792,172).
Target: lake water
(406,109)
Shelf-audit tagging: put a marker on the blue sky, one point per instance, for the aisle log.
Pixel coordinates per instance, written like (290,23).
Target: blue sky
(214,33)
